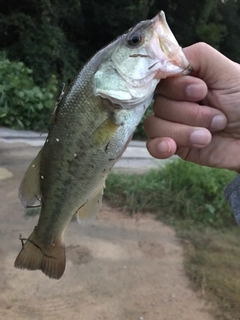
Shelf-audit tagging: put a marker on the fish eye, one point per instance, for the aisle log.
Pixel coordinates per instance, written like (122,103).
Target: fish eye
(134,40)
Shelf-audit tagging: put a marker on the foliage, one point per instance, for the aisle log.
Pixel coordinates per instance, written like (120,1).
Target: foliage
(213,21)
(34,32)
(180,192)
(57,37)
(23,103)
(231,44)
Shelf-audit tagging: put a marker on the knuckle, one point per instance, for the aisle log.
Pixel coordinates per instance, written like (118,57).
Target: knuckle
(202,47)
(201,117)
(183,138)
(198,116)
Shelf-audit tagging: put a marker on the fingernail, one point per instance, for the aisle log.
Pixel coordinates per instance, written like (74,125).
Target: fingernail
(200,137)
(218,122)
(164,147)
(194,91)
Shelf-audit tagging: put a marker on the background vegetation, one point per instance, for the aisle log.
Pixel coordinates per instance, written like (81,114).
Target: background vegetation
(53,39)
(182,191)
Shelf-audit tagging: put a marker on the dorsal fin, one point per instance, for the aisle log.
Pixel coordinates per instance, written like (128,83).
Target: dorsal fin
(29,191)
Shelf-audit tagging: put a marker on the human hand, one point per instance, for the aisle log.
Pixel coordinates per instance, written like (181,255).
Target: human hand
(207,133)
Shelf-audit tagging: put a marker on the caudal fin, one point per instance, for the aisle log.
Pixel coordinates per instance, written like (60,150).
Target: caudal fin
(34,255)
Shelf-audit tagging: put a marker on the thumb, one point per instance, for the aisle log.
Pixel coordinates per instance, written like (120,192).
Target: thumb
(210,65)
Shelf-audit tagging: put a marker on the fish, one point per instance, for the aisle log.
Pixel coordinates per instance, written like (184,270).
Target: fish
(93,122)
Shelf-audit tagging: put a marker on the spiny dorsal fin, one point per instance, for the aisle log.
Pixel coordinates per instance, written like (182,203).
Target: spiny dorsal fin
(29,191)
(88,212)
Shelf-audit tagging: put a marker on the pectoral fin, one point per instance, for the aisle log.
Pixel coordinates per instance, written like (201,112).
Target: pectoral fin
(29,191)
(88,212)
(105,132)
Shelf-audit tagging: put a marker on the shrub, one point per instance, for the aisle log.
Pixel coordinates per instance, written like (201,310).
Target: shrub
(23,104)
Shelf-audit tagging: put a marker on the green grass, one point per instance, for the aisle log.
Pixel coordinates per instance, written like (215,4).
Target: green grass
(190,198)
(181,192)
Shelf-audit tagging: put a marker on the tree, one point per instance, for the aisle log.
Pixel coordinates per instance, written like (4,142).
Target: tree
(230,45)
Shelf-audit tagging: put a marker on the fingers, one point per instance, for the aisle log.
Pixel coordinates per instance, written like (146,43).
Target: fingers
(161,148)
(180,124)
(183,135)
(211,70)
(189,113)
(210,65)
(182,88)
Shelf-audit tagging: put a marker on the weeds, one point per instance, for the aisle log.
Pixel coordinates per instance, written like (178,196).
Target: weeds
(183,191)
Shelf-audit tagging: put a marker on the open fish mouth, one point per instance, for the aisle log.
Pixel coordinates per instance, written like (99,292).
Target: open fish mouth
(171,58)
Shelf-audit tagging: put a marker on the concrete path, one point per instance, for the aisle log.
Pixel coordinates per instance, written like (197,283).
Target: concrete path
(135,159)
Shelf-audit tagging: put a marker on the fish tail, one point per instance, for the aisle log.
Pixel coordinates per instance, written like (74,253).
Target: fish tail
(35,255)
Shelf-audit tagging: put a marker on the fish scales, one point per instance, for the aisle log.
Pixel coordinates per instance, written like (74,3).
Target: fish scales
(93,122)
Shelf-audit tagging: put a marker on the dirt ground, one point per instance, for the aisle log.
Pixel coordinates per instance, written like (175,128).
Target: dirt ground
(121,268)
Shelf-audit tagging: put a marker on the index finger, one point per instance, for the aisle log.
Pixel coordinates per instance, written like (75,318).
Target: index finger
(210,65)
(182,88)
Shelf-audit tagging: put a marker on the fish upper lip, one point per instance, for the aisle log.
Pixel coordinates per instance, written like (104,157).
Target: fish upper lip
(169,44)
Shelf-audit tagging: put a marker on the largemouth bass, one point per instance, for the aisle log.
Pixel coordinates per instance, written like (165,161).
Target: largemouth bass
(91,127)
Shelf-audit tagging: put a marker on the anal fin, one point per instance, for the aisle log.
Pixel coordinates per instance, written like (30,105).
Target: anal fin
(29,191)
(88,212)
